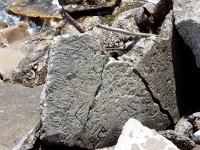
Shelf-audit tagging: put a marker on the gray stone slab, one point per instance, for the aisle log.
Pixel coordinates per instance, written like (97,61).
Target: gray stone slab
(87,99)
(19,112)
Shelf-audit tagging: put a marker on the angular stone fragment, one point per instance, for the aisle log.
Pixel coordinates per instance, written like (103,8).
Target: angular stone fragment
(82,5)
(135,136)
(152,58)
(74,77)
(184,127)
(187,22)
(181,141)
(39,11)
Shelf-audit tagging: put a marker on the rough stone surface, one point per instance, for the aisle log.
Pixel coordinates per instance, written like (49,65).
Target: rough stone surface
(152,59)
(74,77)
(180,140)
(19,112)
(184,127)
(194,116)
(31,75)
(104,100)
(135,136)
(161,9)
(82,5)
(186,13)
(31,70)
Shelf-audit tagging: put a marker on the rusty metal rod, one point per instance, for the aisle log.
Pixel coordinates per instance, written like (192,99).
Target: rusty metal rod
(73,22)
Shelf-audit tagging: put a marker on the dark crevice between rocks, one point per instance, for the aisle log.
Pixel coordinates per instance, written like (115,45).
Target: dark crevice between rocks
(98,90)
(39,145)
(186,74)
(1,76)
(155,100)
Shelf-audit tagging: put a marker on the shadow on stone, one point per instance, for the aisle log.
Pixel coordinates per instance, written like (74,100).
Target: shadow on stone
(186,75)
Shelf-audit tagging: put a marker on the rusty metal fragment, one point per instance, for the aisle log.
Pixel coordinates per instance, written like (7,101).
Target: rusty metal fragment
(73,22)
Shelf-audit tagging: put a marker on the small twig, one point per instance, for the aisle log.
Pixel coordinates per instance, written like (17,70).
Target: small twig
(73,22)
(122,31)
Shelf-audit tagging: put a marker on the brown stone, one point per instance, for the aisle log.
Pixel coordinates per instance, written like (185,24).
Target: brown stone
(40,13)
(90,5)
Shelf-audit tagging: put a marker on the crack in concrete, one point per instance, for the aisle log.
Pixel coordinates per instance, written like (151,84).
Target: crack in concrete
(155,100)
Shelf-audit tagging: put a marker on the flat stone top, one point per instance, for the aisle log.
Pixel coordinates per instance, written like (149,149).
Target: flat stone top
(19,112)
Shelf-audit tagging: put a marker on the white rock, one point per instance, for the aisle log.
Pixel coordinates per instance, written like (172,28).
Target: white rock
(135,136)
(197,134)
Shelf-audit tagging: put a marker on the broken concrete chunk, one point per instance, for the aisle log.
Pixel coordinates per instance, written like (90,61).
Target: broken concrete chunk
(135,136)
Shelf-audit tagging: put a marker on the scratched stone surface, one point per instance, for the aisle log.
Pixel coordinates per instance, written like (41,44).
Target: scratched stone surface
(123,95)
(187,22)
(152,59)
(88,98)
(73,79)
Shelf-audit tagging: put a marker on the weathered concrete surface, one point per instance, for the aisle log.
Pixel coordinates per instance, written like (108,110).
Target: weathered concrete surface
(187,22)
(19,112)
(135,136)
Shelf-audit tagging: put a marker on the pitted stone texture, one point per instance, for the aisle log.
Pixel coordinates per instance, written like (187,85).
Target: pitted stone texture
(135,136)
(187,21)
(152,58)
(86,102)
(184,127)
(122,95)
(74,77)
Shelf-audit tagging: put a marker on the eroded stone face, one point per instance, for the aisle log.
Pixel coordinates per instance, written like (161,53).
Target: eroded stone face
(87,100)
(152,58)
